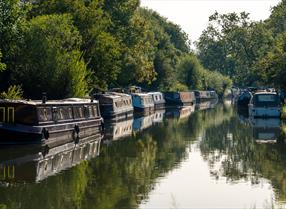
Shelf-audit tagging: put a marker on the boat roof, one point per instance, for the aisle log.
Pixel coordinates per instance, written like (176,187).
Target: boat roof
(50,102)
(154,92)
(115,95)
(141,94)
(265,92)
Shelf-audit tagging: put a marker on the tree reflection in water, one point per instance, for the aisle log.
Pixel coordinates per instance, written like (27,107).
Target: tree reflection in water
(127,170)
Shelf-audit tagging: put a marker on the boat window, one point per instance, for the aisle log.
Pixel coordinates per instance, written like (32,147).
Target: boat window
(78,112)
(266,100)
(44,114)
(90,112)
(95,113)
(2,114)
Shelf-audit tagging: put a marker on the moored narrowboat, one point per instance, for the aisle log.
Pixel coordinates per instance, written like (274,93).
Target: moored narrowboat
(205,95)
(142,102)
(49,123)
(158,99)
(180,98)
(115,105)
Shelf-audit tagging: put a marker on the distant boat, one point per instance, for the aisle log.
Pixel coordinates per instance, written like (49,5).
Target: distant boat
(158,99)
(115,105)
(264,104)
(205,95)
(49,123)
(180,98)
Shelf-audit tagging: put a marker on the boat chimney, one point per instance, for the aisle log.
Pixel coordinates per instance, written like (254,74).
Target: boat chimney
(44,97)
(91,98)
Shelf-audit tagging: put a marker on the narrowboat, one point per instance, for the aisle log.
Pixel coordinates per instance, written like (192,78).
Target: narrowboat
(142,102)
(115,105)
(120,129)
(264,104)
(180,98)
(49,123)
(158,99)
(19,166)
(205,95)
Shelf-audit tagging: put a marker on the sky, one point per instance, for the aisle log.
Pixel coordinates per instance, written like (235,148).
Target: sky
(192,15)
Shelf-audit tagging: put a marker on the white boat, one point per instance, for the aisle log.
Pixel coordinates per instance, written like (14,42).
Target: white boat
(158,99)
(264,104)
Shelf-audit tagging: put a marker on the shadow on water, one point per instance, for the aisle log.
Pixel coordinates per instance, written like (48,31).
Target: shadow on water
(137,152)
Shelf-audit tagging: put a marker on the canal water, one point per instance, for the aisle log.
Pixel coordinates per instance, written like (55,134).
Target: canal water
(208,158)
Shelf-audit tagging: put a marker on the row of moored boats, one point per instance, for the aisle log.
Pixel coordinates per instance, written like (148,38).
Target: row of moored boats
(55,122)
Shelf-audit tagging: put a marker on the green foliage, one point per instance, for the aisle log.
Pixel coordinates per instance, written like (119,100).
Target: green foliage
(70,47)
(13,92)
(2,65)
(191,72)
(232,44)
(50,59)
(283,115)
(271,68)
(195,76)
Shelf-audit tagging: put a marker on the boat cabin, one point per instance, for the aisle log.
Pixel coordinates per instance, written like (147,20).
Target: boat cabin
(59,120)
(180,98)
(142,102)
(158,99)
(113,104)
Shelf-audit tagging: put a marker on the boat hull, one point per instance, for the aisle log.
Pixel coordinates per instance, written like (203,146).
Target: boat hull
(51,135)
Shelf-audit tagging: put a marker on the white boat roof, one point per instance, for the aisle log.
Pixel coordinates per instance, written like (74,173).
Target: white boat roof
(155,92)
(50,102)
(141,94)
(115,95)
(265,92)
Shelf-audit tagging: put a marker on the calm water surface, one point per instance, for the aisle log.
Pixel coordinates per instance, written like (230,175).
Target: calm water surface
(208,158)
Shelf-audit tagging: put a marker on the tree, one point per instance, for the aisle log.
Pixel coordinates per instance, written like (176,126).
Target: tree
(50,60)
(12,17)
(271,69)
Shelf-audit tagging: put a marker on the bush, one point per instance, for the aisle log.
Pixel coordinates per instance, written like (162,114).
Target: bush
(13,92)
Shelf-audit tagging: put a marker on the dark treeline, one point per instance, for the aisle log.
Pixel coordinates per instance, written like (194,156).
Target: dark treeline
(73,47)
(251,53)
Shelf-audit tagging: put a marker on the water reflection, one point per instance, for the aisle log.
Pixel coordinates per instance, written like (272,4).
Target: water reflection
(121,129)
(266,130)
(180,113)
(21,164)
(188,159)
(209,104)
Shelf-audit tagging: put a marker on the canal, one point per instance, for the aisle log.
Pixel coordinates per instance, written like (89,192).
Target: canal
(211,158)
